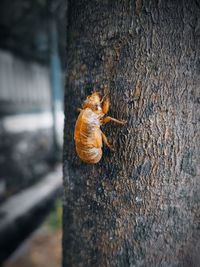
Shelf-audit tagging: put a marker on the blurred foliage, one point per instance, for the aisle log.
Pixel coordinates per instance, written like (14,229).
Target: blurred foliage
(54,219)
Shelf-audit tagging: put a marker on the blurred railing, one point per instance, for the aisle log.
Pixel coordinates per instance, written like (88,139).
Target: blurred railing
(31,115)
(31,122)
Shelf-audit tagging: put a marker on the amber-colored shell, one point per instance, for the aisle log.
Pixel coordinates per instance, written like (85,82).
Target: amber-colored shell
(88,137)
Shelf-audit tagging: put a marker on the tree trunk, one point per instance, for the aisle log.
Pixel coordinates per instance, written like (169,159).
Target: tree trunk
(139,206)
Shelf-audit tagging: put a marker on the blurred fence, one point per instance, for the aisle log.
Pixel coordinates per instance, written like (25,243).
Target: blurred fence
(27,138)
(24,85)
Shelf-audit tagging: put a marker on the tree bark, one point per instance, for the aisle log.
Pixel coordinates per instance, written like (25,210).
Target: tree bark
(140,205)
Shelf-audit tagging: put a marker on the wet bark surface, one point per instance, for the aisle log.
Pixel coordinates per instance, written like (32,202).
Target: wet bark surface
(139,206)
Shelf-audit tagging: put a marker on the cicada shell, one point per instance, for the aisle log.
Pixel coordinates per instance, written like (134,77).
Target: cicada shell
(88,135)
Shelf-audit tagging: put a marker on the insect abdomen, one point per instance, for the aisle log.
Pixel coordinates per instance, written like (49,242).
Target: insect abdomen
(88,137)
(89,155)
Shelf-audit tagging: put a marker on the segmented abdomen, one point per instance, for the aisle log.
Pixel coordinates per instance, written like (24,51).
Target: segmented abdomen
(87,135)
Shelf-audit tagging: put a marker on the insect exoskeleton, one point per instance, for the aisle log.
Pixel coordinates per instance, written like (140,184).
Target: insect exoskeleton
(88,135)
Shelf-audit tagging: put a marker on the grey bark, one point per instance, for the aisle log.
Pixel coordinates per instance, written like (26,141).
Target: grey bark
(140,205)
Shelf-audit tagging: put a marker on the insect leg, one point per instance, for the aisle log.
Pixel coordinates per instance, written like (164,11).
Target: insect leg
(105,140)
(107,119)
(105,105)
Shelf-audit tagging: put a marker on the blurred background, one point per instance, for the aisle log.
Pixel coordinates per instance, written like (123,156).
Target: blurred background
(32,62)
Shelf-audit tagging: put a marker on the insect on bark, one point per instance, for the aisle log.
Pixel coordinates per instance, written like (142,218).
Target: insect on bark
(87,135)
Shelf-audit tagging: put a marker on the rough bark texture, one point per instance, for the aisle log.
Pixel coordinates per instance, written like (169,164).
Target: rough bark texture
(140,205)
